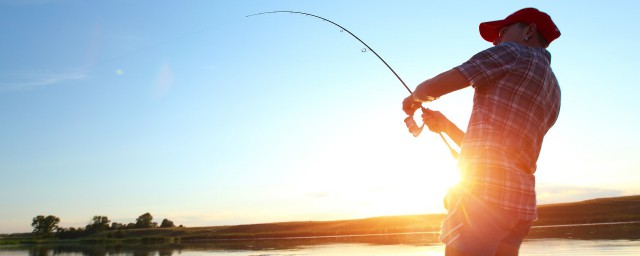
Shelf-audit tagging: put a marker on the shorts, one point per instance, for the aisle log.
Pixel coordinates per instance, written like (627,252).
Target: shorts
(475,227)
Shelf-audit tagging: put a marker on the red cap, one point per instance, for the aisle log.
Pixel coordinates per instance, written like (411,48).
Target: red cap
(489,30)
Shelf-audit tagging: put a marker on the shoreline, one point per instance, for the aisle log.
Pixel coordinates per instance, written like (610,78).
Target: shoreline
(606,218)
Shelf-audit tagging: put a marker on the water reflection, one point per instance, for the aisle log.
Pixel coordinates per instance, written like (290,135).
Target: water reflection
(102,250)
(405,245)
(412,239)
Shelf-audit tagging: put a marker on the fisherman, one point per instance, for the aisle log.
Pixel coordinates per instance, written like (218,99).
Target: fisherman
(516,101)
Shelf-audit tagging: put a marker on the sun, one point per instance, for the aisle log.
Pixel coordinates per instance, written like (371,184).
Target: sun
(400,175)
(420,190)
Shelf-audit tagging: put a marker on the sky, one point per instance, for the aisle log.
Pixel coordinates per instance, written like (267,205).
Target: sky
(193,112)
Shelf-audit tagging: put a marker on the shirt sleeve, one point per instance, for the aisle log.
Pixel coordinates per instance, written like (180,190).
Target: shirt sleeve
(490,64)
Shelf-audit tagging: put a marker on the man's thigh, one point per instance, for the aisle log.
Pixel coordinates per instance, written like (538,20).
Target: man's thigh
(510,245)
(474,227)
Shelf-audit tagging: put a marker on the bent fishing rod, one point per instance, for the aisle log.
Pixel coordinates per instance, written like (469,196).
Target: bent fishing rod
(409,121)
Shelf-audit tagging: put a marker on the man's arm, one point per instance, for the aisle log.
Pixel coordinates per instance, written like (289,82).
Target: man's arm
(433,88)
(437,122)
(439,85)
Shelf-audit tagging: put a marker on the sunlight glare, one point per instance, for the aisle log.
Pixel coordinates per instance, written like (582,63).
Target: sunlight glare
(396,175)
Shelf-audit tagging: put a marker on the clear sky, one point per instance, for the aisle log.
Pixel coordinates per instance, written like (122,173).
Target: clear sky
(193,112)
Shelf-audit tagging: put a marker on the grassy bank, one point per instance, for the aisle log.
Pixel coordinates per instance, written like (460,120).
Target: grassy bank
(619,209)
(616,209)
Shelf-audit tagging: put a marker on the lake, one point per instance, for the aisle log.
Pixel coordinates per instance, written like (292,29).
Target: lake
(307,247)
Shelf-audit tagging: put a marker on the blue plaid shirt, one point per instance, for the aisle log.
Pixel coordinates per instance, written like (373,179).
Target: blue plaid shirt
(516,101)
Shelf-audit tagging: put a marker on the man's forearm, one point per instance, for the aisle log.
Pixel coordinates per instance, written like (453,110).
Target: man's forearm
(439,85)
(455,133)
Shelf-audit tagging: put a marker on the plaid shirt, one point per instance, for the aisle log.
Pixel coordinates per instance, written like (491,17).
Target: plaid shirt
(516,101)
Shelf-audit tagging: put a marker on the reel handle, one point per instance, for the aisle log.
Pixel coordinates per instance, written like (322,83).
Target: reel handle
(412,126)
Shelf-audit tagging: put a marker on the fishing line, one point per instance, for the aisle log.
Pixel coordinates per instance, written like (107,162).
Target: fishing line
(409,121)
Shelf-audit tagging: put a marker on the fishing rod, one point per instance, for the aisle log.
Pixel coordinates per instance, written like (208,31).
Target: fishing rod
(409,121)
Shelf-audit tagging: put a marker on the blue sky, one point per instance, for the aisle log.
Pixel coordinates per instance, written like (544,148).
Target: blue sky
(193,112)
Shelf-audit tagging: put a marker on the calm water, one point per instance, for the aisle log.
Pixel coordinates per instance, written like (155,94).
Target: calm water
(307,248)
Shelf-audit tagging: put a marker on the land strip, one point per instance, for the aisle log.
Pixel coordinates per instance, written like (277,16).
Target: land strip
(604,218)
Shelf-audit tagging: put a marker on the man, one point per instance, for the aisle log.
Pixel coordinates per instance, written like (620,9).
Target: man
(516,101)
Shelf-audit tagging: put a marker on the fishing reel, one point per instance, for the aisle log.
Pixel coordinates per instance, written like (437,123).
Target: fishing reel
(413,126)
(415,130)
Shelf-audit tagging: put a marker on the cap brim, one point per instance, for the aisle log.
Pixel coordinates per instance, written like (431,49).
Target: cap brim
(489,30)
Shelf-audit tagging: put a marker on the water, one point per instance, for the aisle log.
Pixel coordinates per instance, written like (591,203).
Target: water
(530,247)
(580,247)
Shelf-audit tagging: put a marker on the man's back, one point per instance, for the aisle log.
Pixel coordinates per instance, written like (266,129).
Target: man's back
(517,100)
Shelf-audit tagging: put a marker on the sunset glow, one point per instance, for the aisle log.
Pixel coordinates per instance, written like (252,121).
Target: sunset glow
(194,112)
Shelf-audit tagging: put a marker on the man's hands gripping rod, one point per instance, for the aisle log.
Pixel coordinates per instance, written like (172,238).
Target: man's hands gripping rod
(434,120)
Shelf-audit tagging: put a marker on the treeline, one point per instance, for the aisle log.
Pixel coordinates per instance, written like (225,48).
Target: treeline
(48,226)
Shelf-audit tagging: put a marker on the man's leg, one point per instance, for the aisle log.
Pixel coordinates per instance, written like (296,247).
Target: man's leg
(450,251)
(506,249)
(476,228)
(510,246)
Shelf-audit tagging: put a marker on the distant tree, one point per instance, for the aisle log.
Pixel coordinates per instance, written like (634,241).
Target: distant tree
(44,225)
(145,221)
(116,225)
(70,233)
(167,224)
(61,232)
(98,224)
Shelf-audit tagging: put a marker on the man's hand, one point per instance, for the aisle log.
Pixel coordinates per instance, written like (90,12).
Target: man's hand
(435,120)
(410,105)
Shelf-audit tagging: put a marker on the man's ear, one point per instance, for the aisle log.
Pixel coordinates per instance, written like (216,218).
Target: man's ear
(532,30)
